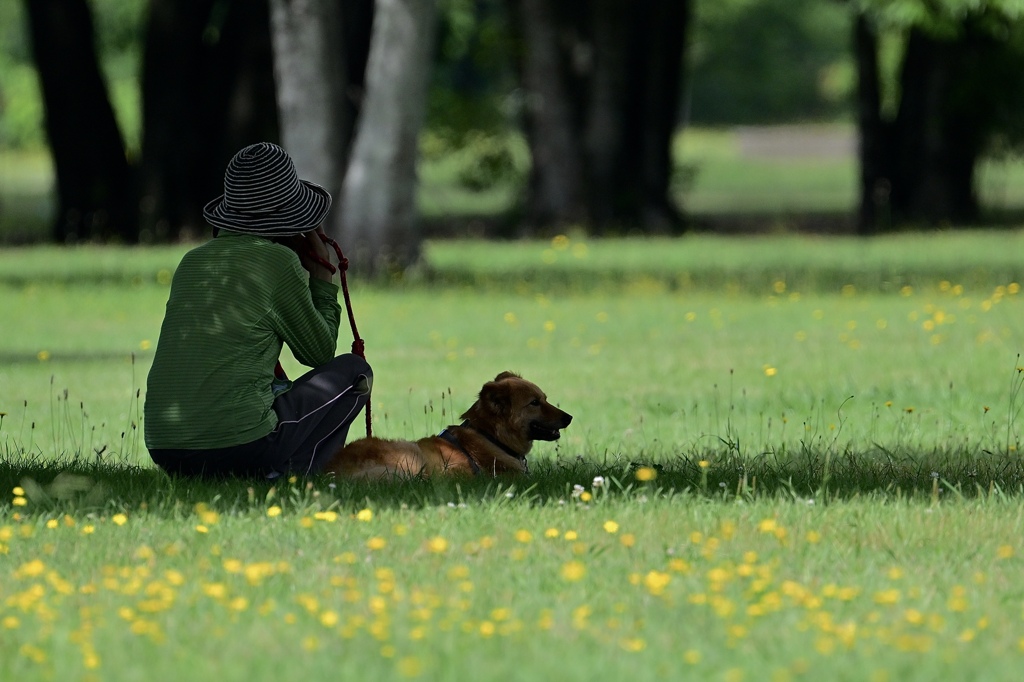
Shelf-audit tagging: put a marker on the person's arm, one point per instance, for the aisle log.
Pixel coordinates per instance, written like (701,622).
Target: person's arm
(307,314)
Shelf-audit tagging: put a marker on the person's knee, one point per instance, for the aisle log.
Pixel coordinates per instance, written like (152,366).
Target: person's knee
(351,365)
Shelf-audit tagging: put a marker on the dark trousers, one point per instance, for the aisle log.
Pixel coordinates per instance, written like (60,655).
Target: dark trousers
(314,416)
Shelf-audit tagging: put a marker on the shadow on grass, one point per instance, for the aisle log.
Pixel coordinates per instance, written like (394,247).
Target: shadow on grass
(52,487)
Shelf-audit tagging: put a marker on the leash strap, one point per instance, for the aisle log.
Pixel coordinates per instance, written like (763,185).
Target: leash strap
(358,345)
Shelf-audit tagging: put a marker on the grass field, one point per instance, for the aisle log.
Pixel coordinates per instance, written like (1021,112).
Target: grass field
(791,458)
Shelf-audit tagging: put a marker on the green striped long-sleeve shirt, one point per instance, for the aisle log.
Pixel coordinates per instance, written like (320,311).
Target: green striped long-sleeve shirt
(234,300)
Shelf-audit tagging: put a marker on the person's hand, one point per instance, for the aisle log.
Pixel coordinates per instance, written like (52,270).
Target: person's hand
(319,248)
(308,245)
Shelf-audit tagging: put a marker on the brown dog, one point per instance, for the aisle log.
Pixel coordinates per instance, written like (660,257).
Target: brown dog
(494,438)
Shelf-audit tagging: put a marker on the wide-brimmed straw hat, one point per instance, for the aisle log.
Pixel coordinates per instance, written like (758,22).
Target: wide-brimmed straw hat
(263,195)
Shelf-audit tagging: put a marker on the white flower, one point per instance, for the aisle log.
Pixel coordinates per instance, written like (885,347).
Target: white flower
(598,481)
(578,490)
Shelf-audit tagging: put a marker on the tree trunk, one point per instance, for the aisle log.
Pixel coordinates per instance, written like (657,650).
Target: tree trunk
(937,145)
(919,167)
(95,189)
(603,82)
(311,73)
(207,91)
(875,185)
(609,90)
(658,39)
(556,190)
(379,229)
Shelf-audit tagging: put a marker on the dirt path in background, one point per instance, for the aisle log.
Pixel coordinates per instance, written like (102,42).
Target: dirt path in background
(797,141)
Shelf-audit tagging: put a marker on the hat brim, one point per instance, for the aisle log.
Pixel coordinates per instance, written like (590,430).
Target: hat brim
(307,212)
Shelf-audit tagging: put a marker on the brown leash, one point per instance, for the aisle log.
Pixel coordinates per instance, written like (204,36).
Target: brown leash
(358,345)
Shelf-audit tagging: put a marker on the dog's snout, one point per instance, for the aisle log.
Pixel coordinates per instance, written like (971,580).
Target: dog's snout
(566,419)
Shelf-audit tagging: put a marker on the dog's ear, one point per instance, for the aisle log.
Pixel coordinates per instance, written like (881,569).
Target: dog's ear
(507,375)
(496,397)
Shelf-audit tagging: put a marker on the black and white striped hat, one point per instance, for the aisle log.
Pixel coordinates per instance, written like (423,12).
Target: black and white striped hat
(263,195)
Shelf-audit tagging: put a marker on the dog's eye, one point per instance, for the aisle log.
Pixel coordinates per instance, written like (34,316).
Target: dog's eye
(535,402)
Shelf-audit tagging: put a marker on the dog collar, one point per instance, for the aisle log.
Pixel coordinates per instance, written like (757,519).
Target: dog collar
(453,439)
(494,441)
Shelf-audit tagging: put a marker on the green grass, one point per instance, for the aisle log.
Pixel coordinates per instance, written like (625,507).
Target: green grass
(807,451)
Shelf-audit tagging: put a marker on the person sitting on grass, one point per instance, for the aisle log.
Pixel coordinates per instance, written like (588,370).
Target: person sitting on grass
(215,405)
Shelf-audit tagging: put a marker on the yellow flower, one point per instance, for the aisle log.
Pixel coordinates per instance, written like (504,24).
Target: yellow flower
(43,355)
(573,571)
(770,371)
(19,502)
(437,545)
(274,511)
(767,526)
(551,533)
(206,515)
(364,515)
(376,543)
(887,596)
(119,519)
(1005,551)
(30,569)
(611,527)
(410,666)
(633,644)
(586,496)
(656,581)
(627,539)
(18,491)
(703,464)
(202,529)
(571,535)
(523,536)
(646,474)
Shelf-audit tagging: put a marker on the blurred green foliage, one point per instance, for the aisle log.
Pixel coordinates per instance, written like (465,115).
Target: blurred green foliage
(769,61)
(118,28)
(755,61)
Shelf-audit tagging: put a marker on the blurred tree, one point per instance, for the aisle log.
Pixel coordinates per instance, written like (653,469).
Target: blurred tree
(768,61)
(602,82)
(320,53)
(959,94)
(95,190)
(207,91)
(378,200)
(470,103)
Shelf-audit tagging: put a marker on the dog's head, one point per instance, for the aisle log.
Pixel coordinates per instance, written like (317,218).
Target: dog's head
(516,412)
